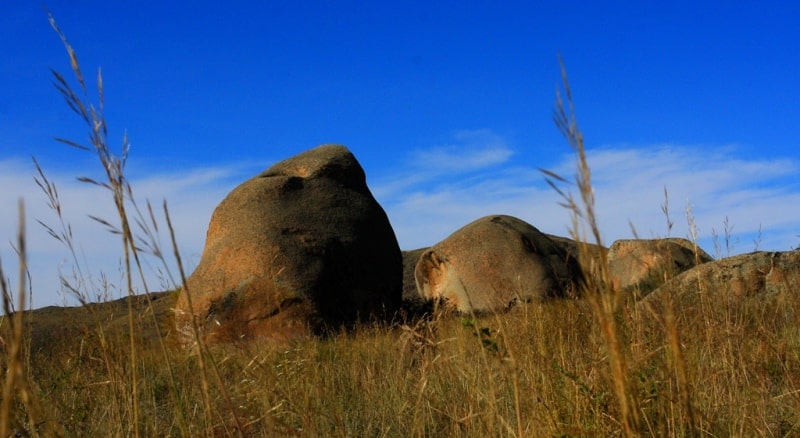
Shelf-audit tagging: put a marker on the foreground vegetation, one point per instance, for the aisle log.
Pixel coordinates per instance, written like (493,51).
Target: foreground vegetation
(540,370)
(598,366)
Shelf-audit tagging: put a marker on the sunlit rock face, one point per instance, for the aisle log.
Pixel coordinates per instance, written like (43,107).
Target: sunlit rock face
(300,248)
(493,263)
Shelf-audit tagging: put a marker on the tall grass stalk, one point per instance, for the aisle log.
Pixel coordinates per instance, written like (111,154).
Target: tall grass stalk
(202,352)
(116,184)
(14,373)
(678,361)
(598,287)
(122,195)
(17,382)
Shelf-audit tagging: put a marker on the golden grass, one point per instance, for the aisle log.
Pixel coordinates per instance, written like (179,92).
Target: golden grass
(597,366)
(538,370)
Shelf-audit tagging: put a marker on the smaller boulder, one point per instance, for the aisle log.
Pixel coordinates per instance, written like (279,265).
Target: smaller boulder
(642,265)
(494,262)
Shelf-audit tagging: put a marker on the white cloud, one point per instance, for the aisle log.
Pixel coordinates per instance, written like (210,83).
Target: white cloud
(629,185)
(449,159)
(191,195)
(423,216)
(471,151)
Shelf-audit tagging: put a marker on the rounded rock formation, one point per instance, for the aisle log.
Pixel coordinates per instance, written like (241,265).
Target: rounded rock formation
(752,279)
(642,265)
(300,248)
(494,262)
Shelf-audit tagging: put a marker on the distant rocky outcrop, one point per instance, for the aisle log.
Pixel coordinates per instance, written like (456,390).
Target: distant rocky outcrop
(493,263)
(642,265)
(301,247)
(732,281)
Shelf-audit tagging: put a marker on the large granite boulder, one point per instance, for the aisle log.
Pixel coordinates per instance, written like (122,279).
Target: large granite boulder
(296,250)
(493,263)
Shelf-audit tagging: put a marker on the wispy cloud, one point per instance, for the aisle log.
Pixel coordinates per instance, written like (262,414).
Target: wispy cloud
(629,185)
(470,150)
(192,196)
(712,182)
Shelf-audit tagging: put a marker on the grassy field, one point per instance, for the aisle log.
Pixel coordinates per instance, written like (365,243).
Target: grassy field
(538,370)
(597,366)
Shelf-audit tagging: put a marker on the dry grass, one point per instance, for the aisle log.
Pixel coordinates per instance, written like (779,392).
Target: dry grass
(598,366)
(539,370)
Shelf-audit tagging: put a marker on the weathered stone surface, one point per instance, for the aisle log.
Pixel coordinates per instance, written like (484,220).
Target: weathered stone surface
(494,262)
(642,265)
(413,301)
(573,247)
(301,247)
(732,281)
(588,255)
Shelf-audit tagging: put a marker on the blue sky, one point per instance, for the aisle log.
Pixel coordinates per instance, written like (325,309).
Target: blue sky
(447,105)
